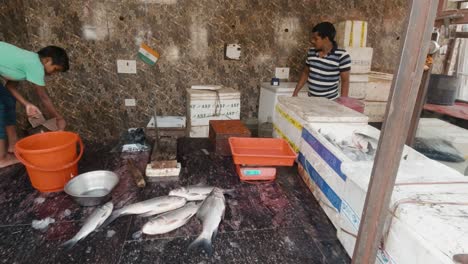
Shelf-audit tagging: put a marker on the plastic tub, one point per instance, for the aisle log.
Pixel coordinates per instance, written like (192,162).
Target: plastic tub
(261,151)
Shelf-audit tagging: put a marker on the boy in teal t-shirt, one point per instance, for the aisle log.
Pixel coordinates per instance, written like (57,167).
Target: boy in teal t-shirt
(17,65)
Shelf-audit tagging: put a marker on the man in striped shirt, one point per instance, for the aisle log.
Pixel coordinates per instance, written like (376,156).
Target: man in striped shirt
(325,65)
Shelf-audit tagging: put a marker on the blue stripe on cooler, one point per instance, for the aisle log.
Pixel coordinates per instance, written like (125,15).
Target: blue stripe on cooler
(326,154)
(320,182)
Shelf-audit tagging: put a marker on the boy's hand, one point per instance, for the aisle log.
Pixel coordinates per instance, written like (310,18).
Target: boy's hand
(61,123)
(32,110)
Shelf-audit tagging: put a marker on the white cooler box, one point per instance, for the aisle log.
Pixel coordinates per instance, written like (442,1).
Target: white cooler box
(269,97)
(206,105)
(419,232)
(320,162)
(292,113)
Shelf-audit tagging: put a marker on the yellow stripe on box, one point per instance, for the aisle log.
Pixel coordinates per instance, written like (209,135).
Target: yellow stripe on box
(289,118)
(281,134)
(362,33)
(351,33)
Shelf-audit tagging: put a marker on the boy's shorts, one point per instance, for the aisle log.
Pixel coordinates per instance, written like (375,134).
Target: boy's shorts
(7,110)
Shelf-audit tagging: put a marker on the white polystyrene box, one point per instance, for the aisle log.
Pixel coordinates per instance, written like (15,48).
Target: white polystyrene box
(419,233)
(269,96)
(206,105)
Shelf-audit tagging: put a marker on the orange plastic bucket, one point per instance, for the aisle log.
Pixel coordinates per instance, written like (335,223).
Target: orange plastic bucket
(50,158)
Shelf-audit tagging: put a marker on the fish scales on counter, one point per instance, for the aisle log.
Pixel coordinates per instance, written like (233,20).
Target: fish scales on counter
(149,207)
(170,221)
(211,213)
(94,221)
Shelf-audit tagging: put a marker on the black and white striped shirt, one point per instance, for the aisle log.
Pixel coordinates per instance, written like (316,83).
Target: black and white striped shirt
(324,73)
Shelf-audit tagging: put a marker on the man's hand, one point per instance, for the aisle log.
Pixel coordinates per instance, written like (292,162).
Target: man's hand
(61,123)
(295,94)
(32,110)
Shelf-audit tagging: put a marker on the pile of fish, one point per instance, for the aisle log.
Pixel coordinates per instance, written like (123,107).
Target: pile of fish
(173,211)
(438,149)
(360,148)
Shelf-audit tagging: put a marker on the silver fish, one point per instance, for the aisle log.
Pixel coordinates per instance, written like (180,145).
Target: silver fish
(211,213)
(93,222)
(149,207)
(172,220)
(195,192)
(364,142)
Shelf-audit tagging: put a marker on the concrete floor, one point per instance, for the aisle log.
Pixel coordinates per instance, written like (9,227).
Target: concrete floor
(268,223)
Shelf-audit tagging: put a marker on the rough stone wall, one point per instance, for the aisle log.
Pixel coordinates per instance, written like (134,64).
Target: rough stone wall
(190,35)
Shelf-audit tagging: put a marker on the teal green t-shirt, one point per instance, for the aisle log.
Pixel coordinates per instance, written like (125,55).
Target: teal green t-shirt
(18,64)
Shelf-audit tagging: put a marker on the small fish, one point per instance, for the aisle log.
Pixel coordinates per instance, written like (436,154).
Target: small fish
(93,222)
(195,192)
(170,221)
(211,213)
(364,142)
(149,207)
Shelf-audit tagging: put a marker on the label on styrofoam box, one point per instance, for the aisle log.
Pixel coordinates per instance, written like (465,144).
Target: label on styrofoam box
(333,180)
(328,201)
(331,195)
(361,59)
(323,152)
(201,112)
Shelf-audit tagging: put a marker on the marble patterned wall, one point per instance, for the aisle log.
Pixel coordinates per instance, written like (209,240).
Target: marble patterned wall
(190,35)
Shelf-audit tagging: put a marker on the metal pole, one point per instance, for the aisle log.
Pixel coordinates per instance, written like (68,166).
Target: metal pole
(415,44)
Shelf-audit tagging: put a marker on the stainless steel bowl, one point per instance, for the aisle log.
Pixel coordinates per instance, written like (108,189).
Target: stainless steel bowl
(92,188)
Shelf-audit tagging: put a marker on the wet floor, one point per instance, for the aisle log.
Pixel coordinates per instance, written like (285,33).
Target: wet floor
(278,222)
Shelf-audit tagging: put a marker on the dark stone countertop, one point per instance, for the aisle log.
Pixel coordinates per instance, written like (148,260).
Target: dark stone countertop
(278,222)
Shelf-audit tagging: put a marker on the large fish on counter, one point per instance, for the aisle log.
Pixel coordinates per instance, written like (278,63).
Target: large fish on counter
(196,192)
(170,221)
(211,213)
(149,207)
(93,222)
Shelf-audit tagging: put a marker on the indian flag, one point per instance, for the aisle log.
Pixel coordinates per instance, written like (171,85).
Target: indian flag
(148,55)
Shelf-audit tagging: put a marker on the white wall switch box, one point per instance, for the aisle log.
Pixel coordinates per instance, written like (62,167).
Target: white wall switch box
(130,102)
(282,73)
(233,51)
(126,66)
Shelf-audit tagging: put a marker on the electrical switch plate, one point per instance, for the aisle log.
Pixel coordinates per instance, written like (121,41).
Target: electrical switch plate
(232,51)
(126,66)
(282,73)
(130,102)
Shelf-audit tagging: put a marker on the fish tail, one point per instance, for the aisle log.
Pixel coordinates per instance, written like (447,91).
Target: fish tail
(69,244)
(204,242)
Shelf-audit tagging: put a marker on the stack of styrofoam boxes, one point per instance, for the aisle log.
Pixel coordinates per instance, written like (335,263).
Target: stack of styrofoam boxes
(374,94)
(320,162)
(372,87)
(204,105)
(352,36)
(426,220)
(292,113)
